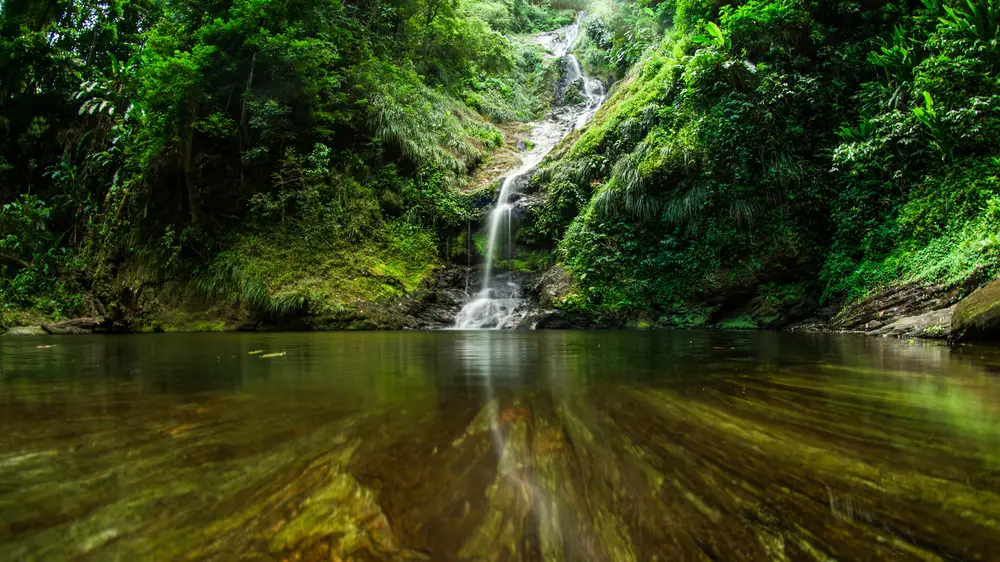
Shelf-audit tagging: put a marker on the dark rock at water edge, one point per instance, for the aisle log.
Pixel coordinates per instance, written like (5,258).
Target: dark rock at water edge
(73,327)
(907,310)
(431,306)
(26,331)
(78,326)
(894,304)
(436,304)
(555,319)
(934,324)
(978,315)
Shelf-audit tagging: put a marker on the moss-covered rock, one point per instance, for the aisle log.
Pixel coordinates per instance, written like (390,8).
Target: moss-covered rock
(27,331)
(978,315)
(553,285)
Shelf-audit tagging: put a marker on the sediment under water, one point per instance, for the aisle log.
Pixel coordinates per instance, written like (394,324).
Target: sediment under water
(498,446)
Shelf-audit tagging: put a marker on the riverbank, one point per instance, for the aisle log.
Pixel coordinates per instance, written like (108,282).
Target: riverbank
(965,311)
(970,311)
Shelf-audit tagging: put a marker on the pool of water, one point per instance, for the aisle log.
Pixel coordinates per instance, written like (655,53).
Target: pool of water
(493,446)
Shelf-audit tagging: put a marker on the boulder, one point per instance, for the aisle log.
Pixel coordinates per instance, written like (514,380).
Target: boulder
(977,316)
(935,324)
(552,319)
(27,331)
(553,285)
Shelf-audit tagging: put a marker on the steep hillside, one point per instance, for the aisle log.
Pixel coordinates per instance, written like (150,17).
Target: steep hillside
(764,159)
(252,157)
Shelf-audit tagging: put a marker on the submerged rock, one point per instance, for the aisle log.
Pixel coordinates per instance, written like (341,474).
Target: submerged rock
(978,315)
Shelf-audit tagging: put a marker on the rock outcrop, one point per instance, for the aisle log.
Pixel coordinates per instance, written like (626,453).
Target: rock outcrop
(79,326)
(552,286)
(76,326)
(26,331)
(935,324)
(977,316)
(906,301)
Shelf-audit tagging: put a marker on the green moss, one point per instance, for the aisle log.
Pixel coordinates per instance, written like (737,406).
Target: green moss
(529,260)
(697,318)
(978,315)
(479,241)
(217,326)
(743,322)
(168,318)
(284,271)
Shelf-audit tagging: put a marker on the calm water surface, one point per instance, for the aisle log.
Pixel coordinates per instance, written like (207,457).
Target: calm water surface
(496,446)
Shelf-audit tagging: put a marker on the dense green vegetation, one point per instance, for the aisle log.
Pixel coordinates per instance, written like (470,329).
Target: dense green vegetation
(776,152)
(280,154)
(303,156)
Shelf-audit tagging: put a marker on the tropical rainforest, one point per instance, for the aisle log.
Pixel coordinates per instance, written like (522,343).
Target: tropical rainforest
(754,162)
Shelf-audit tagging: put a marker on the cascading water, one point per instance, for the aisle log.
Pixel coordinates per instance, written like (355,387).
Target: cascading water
(498,301)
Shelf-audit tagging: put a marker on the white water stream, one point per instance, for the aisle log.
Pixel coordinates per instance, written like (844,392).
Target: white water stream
(498,302)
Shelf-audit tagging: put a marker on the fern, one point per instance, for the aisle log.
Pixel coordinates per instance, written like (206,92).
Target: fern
(897,61)
(226,281)
(935,128)
(982,20)
(687,208)
(628,192)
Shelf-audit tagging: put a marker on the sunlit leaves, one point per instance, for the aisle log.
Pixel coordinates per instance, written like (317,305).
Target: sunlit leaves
(715,37)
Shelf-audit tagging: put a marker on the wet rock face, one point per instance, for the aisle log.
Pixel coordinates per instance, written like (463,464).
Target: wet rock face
(935,324)
(432,306)
(574,92)
(555,319)
(907,310)
(436,305)
(899,302)
(978,315)
(544,292)
(554,284)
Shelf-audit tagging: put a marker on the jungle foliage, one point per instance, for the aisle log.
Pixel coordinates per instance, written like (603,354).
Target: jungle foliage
(823,150)
(304,154)
(145,143)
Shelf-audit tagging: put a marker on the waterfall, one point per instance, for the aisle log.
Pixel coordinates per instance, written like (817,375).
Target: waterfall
(498,302)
